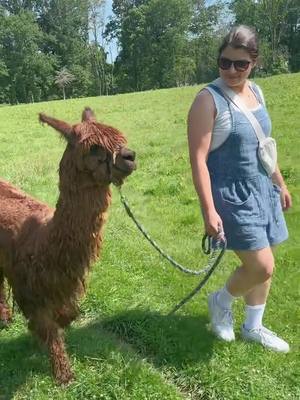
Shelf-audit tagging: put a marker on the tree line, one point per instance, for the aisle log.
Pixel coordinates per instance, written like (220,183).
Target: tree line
(51,49)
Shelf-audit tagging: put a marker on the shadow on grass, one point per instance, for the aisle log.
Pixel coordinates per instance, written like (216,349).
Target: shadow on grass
(164,341)
(19,358)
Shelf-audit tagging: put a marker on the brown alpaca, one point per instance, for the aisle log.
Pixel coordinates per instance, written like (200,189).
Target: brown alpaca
(45,253)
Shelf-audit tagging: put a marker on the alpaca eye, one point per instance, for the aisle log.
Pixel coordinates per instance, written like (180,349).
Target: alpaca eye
(99,152)
(94,149)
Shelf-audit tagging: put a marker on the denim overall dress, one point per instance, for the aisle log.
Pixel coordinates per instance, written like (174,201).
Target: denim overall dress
(244,196)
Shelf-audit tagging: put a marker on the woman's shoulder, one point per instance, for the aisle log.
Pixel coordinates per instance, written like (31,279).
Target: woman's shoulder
(202,109)
(215,94)
(204,94)
(204,99)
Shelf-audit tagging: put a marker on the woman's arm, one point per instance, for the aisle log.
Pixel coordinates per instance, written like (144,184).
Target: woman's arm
(200,125)
(286,199)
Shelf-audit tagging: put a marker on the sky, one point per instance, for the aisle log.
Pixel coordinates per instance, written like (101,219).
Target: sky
(112,50)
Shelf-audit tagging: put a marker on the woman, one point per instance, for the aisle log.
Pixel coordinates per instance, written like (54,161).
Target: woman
(237,197)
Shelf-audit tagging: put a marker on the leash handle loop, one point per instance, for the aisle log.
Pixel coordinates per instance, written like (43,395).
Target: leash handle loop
(206,244)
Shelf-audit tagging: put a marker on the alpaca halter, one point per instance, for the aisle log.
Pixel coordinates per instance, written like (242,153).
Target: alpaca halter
(114,156)
(213,247)
(111,164)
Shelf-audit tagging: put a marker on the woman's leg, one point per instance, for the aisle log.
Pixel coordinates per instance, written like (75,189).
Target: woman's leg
(259,294)
(253,277)
(256,269)
(253,280)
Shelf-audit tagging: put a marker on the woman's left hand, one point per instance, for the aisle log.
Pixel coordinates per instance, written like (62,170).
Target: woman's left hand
(285,198)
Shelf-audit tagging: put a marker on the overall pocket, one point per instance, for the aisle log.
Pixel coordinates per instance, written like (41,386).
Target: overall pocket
(239,204)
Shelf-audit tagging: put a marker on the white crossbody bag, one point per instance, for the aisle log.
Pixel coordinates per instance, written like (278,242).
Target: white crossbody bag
(267,151)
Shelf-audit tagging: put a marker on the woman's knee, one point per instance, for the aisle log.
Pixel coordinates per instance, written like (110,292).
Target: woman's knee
(264,270)
(260,263)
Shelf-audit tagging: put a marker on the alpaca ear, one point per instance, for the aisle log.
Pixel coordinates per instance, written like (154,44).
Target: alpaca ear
(63,127)
(88,115)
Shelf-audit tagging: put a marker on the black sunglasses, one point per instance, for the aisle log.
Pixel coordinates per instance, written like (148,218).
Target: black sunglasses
(239,65)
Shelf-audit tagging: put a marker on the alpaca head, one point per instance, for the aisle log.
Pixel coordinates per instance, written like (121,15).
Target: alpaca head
(95,153)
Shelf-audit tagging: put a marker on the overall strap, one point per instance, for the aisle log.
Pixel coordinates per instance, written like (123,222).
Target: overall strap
(218,90)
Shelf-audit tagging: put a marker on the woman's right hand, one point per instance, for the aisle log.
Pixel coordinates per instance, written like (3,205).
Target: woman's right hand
(213,224)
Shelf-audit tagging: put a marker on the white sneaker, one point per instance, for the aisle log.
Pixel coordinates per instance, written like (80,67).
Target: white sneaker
(265,337)
(221,319)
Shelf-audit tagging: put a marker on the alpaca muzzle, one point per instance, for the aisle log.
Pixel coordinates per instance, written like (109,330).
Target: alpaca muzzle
(123,164)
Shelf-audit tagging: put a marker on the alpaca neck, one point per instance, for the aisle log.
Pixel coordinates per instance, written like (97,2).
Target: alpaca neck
(78,221)
(82,207)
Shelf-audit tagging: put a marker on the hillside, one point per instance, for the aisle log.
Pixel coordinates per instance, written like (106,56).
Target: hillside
(123,346)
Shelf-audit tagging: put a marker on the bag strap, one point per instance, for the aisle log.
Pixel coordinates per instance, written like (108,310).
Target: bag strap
(258,93)
(237,101)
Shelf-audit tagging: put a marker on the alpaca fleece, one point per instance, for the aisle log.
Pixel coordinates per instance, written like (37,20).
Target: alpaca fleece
(46,253)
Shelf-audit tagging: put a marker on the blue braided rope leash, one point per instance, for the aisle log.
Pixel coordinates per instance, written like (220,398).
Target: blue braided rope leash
(210,246)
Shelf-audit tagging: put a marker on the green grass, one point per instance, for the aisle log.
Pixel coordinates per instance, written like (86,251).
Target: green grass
(124,346)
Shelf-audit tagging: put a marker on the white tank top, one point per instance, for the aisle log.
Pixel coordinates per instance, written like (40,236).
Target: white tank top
(223,124)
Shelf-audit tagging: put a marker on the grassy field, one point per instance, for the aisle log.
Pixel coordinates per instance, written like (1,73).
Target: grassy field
(124,346)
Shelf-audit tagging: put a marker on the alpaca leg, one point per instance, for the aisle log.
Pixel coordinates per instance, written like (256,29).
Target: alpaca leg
(49,333)
(60,361)
(66,315)
(5,314)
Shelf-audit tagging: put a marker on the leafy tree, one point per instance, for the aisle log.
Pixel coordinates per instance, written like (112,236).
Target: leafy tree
(27,70)
(274,13)
(16,6)
(162,43)
(96,19)
(277,22)
(291,36)
(4,87)
(205,38)
(101,71)
(152,35)
(67,24)
(57,32)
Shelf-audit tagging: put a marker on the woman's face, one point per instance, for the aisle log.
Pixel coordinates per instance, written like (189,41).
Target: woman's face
(235,77)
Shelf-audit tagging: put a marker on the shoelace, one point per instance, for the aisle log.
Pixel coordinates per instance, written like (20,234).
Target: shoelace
(264,330)
(265,334)
(227,318)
